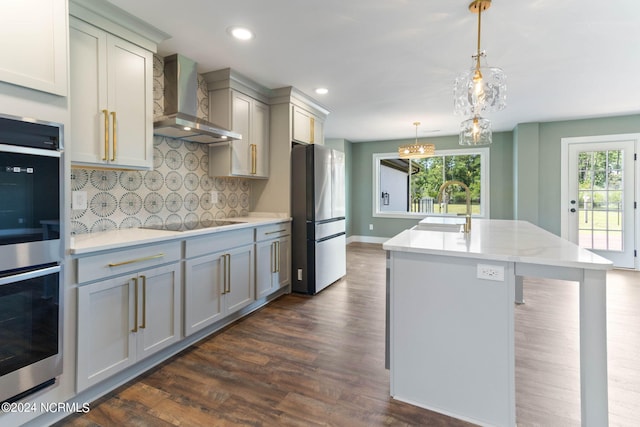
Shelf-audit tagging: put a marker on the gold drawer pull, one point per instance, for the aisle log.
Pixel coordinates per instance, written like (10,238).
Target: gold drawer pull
(275,232)
(132,261)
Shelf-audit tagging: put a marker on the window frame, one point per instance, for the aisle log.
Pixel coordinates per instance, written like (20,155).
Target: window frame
(484,153)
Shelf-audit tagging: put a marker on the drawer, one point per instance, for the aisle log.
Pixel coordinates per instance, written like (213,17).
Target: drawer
(273,231)
(114,263)
(217,242)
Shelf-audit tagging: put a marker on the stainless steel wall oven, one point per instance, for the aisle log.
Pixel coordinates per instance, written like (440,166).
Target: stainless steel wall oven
(31,253)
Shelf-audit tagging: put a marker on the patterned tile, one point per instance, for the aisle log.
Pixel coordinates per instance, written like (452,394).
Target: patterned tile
(177,190)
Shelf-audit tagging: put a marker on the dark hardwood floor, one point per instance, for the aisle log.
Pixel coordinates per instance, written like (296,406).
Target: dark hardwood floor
(319,361)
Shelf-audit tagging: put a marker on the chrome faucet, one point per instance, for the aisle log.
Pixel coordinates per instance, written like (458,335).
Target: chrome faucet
(467,216)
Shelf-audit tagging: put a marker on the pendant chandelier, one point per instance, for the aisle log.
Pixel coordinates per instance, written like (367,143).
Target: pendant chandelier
(475,131)
(416,150)
(480,89)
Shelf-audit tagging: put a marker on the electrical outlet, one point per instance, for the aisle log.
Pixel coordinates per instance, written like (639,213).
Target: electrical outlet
(491,272)
(214,197)
(79,200)
(299,274)
(370,226)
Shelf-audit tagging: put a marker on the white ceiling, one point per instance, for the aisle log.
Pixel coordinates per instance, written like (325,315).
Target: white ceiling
(388,63)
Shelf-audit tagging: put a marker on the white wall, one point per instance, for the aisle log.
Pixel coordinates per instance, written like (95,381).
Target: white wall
(394,182)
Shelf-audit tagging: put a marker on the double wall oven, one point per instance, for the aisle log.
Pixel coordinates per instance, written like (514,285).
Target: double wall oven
(31,253)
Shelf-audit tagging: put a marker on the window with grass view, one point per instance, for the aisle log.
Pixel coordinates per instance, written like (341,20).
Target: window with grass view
(411,187)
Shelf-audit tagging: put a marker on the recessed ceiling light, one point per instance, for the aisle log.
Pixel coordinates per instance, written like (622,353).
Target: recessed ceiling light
(240,33)
(322,91)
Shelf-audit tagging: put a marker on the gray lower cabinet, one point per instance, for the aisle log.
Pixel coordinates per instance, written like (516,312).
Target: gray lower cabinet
(123,319)
(219,277)
(273,258)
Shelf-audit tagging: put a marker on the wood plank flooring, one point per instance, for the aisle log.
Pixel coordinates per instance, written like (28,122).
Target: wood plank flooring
(319,361)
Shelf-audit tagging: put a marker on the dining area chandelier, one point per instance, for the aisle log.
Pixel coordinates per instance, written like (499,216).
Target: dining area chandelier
(417,150)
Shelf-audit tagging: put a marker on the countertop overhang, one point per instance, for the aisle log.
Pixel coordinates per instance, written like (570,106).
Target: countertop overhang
(499,240)
(117,239)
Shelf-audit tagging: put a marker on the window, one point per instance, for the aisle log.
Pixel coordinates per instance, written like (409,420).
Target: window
(409,188)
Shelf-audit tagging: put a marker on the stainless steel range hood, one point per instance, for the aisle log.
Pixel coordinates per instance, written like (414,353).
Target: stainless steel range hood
(181,103)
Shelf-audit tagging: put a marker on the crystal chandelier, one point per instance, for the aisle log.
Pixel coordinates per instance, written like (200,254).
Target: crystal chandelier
(416,150)
(480,89)
(475,131)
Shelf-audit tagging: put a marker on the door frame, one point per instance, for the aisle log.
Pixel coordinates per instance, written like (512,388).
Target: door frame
(564,180)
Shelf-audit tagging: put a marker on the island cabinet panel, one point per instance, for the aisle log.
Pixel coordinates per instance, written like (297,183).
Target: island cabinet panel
(452,337)
(219,279)
(111,99)
(34,44)
(124,319)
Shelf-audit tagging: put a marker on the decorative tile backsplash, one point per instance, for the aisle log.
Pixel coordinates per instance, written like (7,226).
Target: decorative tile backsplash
(177,191)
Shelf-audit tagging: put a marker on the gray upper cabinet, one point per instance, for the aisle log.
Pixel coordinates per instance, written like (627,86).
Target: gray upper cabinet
(246,157)
(241,105)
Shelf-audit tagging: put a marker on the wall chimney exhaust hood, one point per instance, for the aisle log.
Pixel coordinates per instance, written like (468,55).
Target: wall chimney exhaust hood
(181,103)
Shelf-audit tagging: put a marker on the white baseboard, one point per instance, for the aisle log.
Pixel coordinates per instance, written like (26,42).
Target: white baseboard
(366,239)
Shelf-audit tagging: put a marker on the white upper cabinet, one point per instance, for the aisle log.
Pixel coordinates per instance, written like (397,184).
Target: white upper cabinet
(111,99)
(33,42)
(248,157)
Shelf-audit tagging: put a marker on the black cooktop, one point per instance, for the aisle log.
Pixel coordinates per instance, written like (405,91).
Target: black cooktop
(187,226)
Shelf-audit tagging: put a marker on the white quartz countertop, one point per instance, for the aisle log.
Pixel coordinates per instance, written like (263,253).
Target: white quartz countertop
(118,239)
(499,240)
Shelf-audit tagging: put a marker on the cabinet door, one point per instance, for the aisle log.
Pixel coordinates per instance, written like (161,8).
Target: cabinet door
(265,267)
(160,309)
(111,99)
(260,138)
(130,74)
(34,44)
(284,265)
(88,92)
(240,289)
(106,343)
(204,280)
(318,131)
(241,117)
(301,125)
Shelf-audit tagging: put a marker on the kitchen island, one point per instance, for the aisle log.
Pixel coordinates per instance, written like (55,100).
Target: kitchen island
(451,317)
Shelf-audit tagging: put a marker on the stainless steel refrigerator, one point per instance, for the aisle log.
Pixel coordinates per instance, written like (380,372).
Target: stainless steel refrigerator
(318,208)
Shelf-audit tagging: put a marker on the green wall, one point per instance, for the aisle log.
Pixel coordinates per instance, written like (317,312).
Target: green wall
(525,172)
(361,175)
(545,206)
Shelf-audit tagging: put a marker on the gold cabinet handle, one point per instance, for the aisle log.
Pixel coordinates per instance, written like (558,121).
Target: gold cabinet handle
(132,261)
(115,138)
(228,273)
(254,151)
(135,305)
(144,302)
(277,256)
(106,135)
(312,125)
(276,231)
(273,257)
(224,274)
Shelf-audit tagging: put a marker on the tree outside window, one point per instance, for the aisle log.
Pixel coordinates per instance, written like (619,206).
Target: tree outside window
(411,187)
